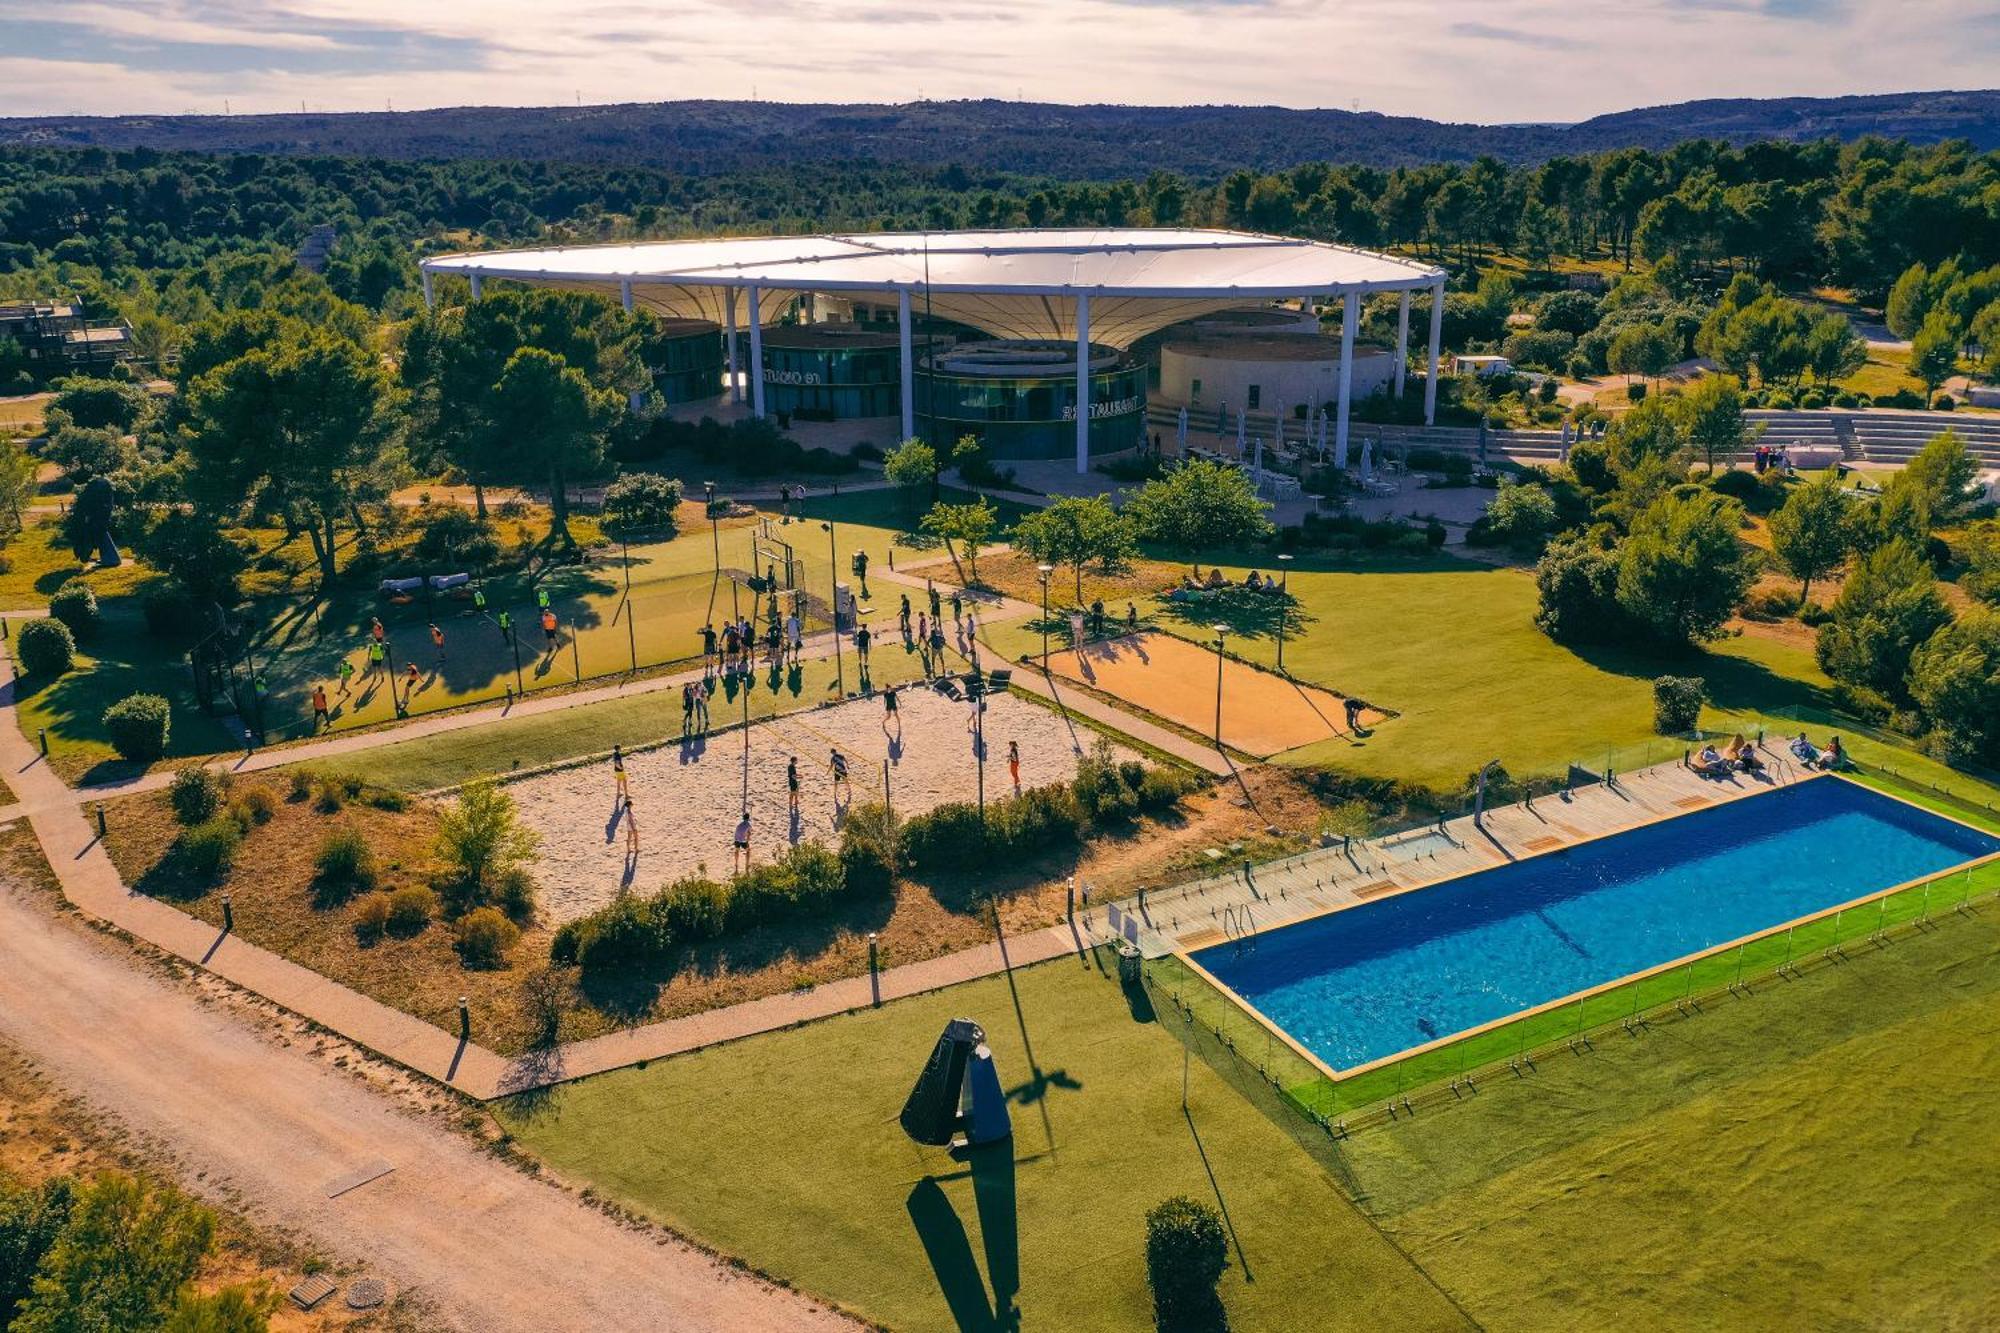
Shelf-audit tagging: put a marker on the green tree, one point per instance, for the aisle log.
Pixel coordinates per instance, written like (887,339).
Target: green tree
(1198,505)
(1909,302)
(1981,554)
(100,404)
(30,1220)
(912,466)
(1834,350)
(306,423)
(1683,570)
(120,1261)
(552,414)
(642,502)
(18,484)
(1186,1253)
(1812,532)
(1075,531)
(969,526)
(1986,333)
(1522,515)
(1888,606)
(1931,491)
(1646,350)
(195,550)
(1955,680)
(1711,418)
(1934,353)
(481,836)
(1576,592)
(1653,429)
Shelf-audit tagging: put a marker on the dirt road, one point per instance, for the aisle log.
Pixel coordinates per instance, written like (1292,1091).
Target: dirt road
(478,1242)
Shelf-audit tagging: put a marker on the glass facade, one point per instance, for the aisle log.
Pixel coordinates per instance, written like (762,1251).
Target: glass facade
(686,358)
(1020,399)
(832,372)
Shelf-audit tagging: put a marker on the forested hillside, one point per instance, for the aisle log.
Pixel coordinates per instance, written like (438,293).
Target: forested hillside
(1067,142)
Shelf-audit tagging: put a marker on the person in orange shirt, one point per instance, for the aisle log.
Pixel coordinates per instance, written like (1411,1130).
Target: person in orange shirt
(322,715)
(549,628)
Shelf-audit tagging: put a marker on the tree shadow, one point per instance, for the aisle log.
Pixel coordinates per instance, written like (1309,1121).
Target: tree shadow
(1245,614)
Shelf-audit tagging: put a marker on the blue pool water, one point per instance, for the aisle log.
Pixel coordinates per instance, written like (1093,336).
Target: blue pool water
(1356,985)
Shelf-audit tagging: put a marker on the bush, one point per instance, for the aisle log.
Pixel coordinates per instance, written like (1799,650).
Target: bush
(1677,703)
(1576,585)
(207,850)
(453,535)
(411,909)
(169,609)
(45,647)
(870,849)
(76,606)
(1186,1251)
(513,892)
(1780,401)
(137,726)
(484,937)
(195,794)
(259,804)
(641,502)
(1772,603)
(371,914)
(343,864)
(1636,392)
(1812,400)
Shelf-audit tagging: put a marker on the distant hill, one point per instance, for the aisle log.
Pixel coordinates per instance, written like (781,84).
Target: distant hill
(1078,142)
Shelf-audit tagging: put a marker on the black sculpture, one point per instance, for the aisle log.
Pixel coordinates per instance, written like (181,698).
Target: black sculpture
(945,1102)
(90,524)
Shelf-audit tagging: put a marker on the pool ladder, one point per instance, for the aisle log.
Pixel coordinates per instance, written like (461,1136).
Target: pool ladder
(1240,927)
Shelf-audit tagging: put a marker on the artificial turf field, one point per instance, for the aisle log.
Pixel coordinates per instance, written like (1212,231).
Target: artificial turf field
(1818,1155)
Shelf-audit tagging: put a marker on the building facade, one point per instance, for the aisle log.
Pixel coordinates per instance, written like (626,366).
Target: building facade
(1018,398)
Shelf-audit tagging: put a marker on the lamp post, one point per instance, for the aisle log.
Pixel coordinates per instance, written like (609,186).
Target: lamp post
(833,564)
(1220,631)
(1044,571)
(714,526)
(1284,603)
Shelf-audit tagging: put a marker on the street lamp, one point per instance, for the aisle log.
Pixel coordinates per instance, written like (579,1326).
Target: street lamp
(1044,571)
(1220,630)
(714,526)
(833,564)
(1284,603)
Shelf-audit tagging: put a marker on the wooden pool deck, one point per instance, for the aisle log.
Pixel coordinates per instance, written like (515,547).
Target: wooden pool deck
(1236,903)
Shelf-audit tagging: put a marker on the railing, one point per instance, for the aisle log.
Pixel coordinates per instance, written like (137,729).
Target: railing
(1334,1106)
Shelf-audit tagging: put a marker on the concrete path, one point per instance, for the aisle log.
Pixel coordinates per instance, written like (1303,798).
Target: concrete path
(265,1127)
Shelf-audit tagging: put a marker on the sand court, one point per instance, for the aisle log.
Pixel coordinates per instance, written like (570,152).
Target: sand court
(688,797)
(1263,713)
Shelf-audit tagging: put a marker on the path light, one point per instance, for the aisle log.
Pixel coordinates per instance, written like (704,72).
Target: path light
(1220,631)
(833,566)
(1043,572)
(1284,603)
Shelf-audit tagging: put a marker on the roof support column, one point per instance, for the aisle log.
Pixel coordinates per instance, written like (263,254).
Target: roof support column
(478,286)
(1350,323)
(756,349)
(430,297)
(1402,341)
(635,399)
(1083,384)
(909,366)
(1437,338)
(729,344)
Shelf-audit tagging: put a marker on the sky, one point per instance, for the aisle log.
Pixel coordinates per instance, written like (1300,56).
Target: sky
(1489,61)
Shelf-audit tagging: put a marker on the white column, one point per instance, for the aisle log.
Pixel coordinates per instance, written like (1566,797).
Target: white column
(756,349)
(1437,339)
(1350,321)
(625,294)
(1083,383)
(430,297)
(478,287)
(729,346)
(1402,341)
(909,366)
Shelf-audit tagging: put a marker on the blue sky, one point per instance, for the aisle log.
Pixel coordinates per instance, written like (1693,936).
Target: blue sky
(1490,61)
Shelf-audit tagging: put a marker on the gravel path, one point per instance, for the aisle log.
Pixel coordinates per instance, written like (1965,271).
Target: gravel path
(687,798)
(483,1245)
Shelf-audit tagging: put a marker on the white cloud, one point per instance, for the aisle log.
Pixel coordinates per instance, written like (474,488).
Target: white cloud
(1509,60)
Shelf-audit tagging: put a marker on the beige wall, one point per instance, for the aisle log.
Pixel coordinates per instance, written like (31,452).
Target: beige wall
(1226,380)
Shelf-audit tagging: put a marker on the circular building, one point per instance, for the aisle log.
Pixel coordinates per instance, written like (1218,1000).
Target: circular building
(829,372)
(1018,396)
(1265,372)
(1085,287)
(685,356)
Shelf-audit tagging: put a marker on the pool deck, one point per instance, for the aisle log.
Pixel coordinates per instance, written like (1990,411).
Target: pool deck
(1233,904)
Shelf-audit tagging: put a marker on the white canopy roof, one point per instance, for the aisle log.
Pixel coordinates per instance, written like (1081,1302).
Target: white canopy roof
(1014,284)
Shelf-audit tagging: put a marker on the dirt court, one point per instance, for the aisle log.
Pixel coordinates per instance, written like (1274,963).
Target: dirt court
(1262,713)
(686,798)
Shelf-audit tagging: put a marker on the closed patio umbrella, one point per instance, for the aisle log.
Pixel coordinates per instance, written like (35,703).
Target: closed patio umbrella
(1180,432)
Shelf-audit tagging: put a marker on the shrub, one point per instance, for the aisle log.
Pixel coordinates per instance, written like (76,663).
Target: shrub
(1186,1251)
(76,606)
(629,932)
(1636,392)
(1677,703)
(1576,585)
(411,909)
(1102,794)
(195,794)
(137,726)
(170,612)
(945,837)
(45,647)
(344,863)
(207,849)
(454,535)
(513,892)
(1772,603)
(695,908)
(484,937)
(300,785)
(870,849)
(1812,400)
(371,914)
(641,502)
(1781,401)
(259,804)
(480,836)
(1161,788)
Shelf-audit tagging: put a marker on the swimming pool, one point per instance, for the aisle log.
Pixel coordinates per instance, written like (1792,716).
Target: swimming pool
(1370,981)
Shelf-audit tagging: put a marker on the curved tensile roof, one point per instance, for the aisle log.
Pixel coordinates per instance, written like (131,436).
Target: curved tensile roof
(1014,284)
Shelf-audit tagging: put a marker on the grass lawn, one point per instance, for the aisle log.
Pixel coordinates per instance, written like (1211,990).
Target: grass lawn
(1819,1156)
(1451,646)
(839,1202)
(38,561)
(1886,371)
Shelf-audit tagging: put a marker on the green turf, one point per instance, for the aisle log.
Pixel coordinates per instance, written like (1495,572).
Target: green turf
(784,1150)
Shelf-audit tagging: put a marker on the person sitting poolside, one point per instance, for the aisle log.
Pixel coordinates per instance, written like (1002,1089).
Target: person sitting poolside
(1835,756)
(1710,762)
(1804,751)
(1746,758)
(1216,578)
(1253,580)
